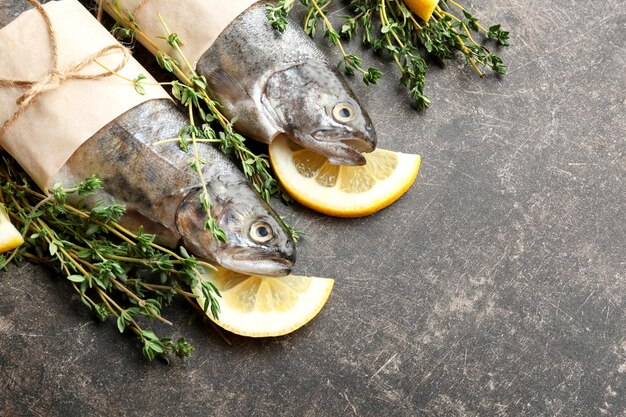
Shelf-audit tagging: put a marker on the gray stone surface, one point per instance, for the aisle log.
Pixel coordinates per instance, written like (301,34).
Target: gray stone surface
(494,287)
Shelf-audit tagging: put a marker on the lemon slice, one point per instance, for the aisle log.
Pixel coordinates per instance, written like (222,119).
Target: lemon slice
(342,191)
(10,237)
(258,306)
(423,8)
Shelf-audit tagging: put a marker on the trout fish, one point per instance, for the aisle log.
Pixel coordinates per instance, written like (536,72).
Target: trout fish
(281,83)
(162,194)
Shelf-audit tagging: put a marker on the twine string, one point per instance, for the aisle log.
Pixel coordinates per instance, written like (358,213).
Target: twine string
(55,76)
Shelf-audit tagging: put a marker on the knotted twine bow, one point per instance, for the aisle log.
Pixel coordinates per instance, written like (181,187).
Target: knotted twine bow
(53,79)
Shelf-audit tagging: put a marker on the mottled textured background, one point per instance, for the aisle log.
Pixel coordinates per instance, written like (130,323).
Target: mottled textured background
(495,287)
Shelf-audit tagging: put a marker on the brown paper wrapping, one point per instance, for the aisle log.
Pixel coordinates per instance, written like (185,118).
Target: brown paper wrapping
(44,137)
(196,22)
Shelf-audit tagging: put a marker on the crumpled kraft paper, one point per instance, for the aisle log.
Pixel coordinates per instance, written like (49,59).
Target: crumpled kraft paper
(44,137)
(197,23)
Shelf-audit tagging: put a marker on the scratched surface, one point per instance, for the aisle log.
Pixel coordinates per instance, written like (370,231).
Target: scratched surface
(495,287)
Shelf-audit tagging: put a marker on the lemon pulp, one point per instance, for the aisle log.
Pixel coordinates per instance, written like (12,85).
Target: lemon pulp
(10,237)
(259,306)
(343,191)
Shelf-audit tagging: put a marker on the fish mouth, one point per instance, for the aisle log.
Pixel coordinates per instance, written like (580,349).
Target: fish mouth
(342,151)
(246,263)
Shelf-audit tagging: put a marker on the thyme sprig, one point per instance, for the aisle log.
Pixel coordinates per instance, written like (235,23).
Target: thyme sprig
(115,272)
(277,13)
(351,63)
(390,27)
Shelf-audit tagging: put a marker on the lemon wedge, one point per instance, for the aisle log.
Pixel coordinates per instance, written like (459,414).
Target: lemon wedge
(258,306)
(423,8)
(342,191)
(10,237)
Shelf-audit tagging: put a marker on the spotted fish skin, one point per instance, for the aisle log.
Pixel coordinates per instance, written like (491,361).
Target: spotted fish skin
(161,192)
(281,83)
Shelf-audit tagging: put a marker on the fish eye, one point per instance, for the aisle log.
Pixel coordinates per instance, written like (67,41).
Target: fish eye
(343,112)
(261,232)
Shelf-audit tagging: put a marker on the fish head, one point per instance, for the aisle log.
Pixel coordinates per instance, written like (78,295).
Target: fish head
(257,240)
(314,107)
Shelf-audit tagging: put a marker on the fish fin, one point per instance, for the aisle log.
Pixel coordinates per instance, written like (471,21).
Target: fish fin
(227,86)
(134,219)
